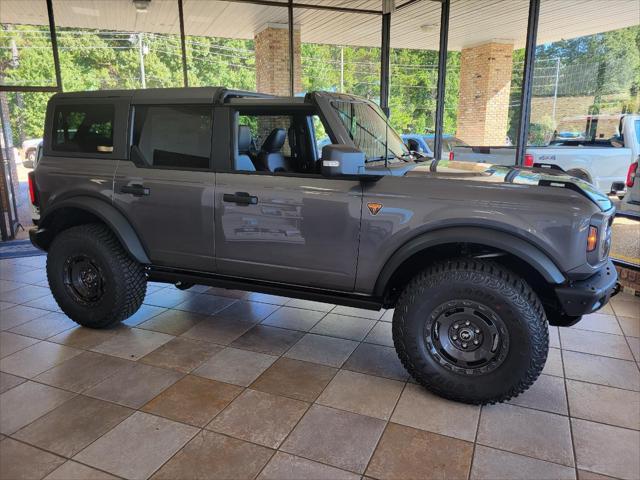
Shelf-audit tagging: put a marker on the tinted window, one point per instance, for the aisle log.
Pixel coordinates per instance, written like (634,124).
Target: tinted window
(172,137)
(83,128)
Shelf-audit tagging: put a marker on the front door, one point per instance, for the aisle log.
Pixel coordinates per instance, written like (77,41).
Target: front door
(278,220)
(166,187)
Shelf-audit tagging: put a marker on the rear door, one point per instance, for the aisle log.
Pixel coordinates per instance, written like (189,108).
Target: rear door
(165,188)
(291,225)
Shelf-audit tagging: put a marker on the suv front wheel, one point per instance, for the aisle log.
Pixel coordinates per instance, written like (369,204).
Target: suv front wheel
(471,331)
(93,279)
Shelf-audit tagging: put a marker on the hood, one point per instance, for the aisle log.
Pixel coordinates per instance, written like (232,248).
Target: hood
(482,172)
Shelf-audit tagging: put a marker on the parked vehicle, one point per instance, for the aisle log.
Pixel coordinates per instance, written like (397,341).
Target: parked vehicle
(596,157)
(630,205)
(30,151)
(423,143)
(164,185)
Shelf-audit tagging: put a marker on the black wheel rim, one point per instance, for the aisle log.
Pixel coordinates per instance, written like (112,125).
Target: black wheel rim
(83,279)
(467,337)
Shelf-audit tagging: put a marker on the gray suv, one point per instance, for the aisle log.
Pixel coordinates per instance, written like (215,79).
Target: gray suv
(231,189)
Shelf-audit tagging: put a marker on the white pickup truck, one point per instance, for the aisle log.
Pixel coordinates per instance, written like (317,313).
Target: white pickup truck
(600,154)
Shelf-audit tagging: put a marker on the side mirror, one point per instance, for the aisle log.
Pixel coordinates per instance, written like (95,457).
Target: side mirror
(413,145)
(342,160)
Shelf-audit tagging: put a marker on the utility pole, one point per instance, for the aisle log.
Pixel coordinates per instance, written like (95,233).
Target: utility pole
(341,69)
(555,89)
(141,56)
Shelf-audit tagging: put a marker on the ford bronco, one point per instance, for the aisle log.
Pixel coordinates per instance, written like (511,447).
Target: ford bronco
(230,189)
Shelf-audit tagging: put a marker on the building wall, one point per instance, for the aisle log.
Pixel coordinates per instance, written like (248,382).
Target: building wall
(485,85)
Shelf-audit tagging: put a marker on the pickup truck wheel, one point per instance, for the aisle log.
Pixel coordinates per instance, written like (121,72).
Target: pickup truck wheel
(95,282)
(471,331)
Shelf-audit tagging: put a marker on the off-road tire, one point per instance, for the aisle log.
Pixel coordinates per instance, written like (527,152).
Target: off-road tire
(487,283)
(123,280)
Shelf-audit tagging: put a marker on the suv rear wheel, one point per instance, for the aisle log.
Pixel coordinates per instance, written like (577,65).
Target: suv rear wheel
(471,331)
(93,279)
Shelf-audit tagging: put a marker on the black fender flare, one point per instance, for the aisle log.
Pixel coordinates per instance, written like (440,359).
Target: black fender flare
(524,250)
(109,215)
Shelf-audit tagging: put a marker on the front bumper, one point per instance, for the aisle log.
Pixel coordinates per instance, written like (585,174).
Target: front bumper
(37,237)
(588,295)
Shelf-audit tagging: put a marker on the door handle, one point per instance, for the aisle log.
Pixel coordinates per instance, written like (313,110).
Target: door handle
(136,190)
(241,198)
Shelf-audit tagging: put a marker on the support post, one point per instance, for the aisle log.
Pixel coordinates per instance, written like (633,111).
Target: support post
(442,78)
(385,65)
(527,80)
(183,45)
(54,45)
(292,73)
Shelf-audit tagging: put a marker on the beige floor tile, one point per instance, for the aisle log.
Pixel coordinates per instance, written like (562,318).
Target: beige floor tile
(7,285)
(73,425)
(25,294)
(6,305)
(266,298)
(587,475)
(634,345)
(182,354)
(23,462)
(604,404)
(310,305)
(71,470)
(18,315)
(144,313)
(598,322)
(37,358)
(7,381)
(553,366)
(82,371)
(132,343)
(342,326)
(173,322)
(623,307)
(269,340)
(380,334)
(409,453)
(602,370)
(205,304)
(82,337)
(554,337)
(630,326)
(607,450)
(294,318)
(376,360)
(595,343)
(541,435)
(45,326)
(421,409)
(218,330)
(135,385)
(239,367)
(358,312)
(289,467)
(492,464)
(193,400)
(26,402)
(260,418)
(168,297)
(211,455)
(342,439)
(138,446)
(363,394)
(46,302)
(225,292)
(12,342)
(323,350)
(547,393)
(295,379)
(253,312)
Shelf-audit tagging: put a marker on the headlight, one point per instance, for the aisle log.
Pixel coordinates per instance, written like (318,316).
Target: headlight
(599,238)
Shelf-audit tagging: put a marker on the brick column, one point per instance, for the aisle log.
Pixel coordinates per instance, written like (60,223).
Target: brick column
(485,85)
(272,59)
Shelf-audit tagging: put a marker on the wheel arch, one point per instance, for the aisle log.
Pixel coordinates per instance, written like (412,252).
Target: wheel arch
(518,254)
(80,210)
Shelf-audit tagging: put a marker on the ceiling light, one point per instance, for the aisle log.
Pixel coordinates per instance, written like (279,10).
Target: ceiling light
(141,5)
(388,6)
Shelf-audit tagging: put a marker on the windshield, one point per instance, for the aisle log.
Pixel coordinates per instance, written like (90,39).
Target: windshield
(368,128)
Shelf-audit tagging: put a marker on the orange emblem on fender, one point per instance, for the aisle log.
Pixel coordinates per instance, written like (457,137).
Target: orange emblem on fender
(374,208)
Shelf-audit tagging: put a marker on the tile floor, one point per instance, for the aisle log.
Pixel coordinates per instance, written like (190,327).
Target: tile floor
(210,383)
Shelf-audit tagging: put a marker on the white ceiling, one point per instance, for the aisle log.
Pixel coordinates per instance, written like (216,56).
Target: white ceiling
(471,21)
